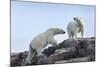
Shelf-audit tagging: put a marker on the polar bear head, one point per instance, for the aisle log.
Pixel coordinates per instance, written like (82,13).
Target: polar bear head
(56,31)
(77,19)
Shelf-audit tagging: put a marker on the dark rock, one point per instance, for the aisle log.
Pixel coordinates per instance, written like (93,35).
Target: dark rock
(61,45)
(85,48)
(43,60)
(73,60)
(25,54)
(56,57)
(34,60)
(61,54)
(49,51)
(81,59)
(16,61)
(92,57)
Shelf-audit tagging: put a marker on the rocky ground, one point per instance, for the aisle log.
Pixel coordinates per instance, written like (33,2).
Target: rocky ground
(69,51)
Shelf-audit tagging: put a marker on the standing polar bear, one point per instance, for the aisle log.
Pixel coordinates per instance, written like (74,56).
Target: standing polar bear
(42,40)
(75,27)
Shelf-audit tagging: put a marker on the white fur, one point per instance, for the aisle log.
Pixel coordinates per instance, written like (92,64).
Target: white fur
(42,40)
(75,27)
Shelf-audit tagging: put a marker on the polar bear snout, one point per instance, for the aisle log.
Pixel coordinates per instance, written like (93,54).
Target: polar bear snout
(56,31)
(64,32)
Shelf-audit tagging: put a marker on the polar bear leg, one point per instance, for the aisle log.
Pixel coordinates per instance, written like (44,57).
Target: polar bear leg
(28,60)
(31,54)
(53,42)
(75,35)
(69,34)
(82,34)
(39,51)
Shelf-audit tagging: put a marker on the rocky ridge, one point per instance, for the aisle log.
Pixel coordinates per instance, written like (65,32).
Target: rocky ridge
(68,51)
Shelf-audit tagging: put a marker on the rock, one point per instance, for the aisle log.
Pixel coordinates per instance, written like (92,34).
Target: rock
(56,57)
(68,51)
(38,60)
(85,48)
(34,60)
(69,43)
(92,57)
(62,61)
(49,51)
(61,54)
(43,60)
(25,54)
(82,59)
(16,61)
(61,45)
(75,49)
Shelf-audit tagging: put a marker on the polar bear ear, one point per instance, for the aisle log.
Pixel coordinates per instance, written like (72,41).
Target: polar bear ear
(74,18)
(51,29)
(80,18)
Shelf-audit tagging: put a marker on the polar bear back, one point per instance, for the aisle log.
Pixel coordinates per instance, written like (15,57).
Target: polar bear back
(39,41)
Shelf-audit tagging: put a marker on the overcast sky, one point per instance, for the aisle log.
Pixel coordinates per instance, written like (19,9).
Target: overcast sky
(28,19)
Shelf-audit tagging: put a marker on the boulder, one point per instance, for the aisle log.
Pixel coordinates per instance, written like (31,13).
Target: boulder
(62,54)
(49,51)
(69,43)
(17,59)
(81,59)
(43,59)
(85,48)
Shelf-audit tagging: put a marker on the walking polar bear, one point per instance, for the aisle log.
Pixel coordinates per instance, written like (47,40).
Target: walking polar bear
(42,40)
(75,27)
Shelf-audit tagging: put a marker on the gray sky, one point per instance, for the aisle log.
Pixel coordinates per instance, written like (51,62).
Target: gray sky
(28,19)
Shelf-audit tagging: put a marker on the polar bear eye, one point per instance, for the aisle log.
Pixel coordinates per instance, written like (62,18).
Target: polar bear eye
(74,18)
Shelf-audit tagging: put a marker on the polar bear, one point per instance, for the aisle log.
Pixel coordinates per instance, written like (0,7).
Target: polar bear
(42,40)
(75,27)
